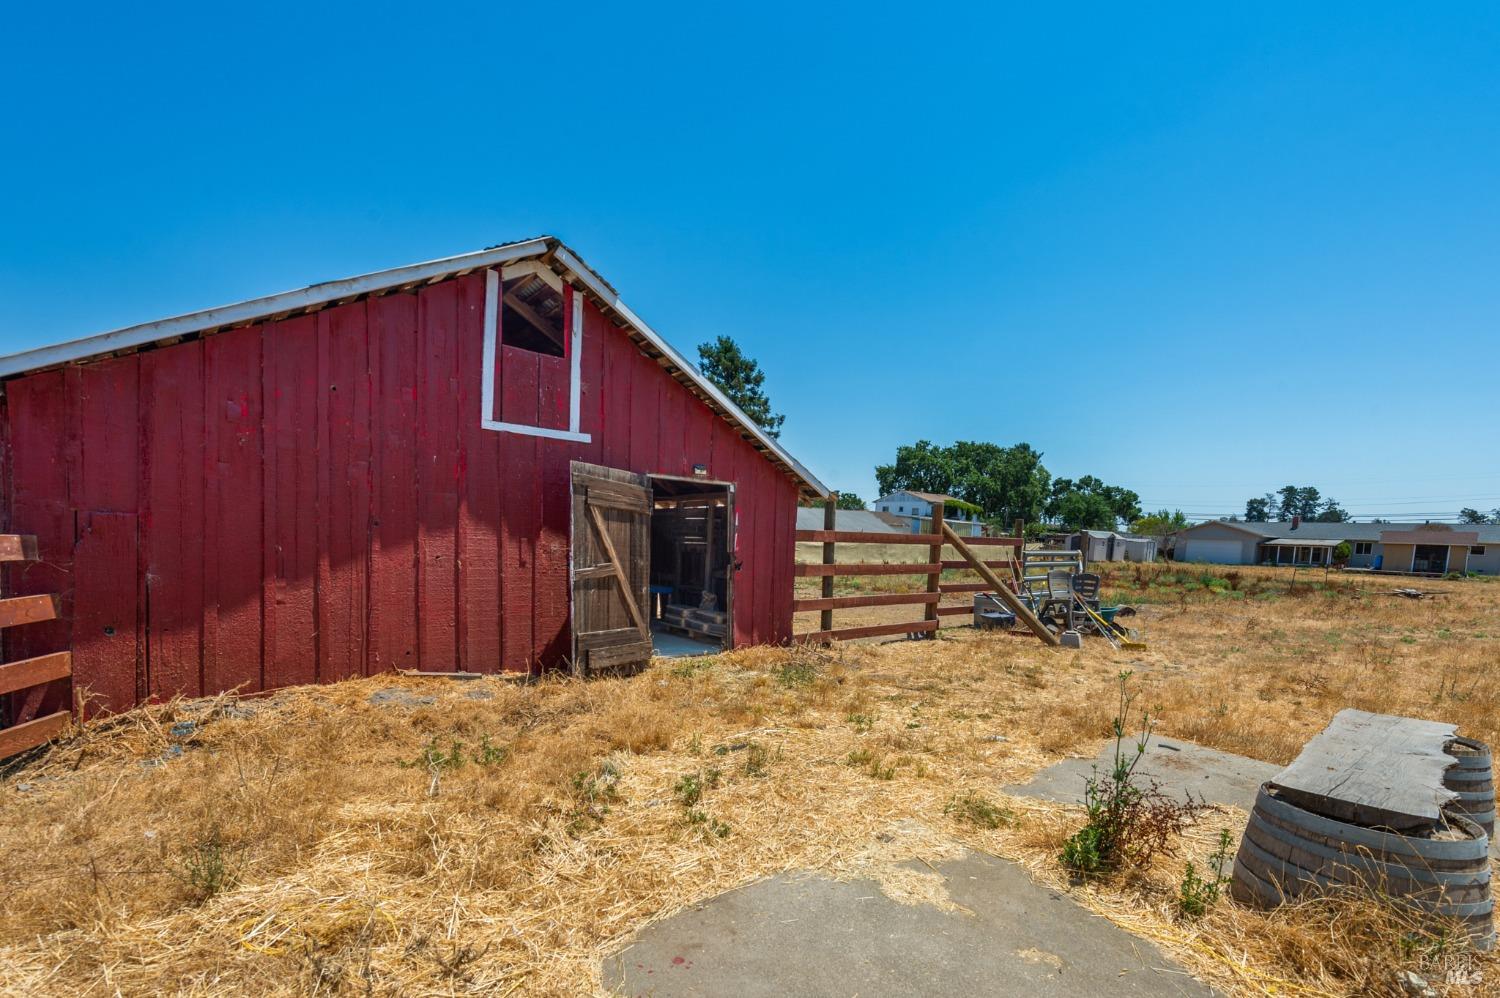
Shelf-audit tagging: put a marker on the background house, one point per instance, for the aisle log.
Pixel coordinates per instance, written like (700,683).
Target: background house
(1429,548)
(916,508)
(864,520)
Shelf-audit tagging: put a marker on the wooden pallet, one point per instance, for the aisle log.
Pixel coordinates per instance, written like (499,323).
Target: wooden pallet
(693,622)
(14,612)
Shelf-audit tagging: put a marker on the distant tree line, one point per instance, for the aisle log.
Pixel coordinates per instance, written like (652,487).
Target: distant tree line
(1007,484)
(1467,515)
(1292,500)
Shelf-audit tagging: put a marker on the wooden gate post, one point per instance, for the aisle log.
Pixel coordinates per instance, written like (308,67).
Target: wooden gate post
(1015,563)
(830,507)
(935,557)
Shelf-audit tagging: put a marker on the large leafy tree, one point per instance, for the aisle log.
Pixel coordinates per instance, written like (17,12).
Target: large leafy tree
(1468,515)
(1005,483)
(739,377)
(848,500)
(1294,500)
(1160,523)
(1090,504)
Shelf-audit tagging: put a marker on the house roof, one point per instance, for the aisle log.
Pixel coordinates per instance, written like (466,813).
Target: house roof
(1487,533)
(924,496)
(1466,538)
(811,518)
(548,249)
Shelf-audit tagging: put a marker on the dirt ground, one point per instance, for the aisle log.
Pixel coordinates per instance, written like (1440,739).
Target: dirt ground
(389,836)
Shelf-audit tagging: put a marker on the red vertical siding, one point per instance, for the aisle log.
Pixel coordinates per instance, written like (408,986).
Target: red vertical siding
(314,498)
(344,484)
(172,380)
(291,376)
(393,517)
(39,505)
(235,517)
(520,512)
(479,498)
(437,476)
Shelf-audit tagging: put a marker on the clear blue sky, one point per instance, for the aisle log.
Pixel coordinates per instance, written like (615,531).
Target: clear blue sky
(1201,253)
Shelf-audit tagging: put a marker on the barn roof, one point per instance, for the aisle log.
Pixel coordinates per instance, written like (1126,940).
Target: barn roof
(548,249)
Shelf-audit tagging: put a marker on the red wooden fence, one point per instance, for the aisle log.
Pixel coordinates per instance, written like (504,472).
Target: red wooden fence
(932,568)
(16,611)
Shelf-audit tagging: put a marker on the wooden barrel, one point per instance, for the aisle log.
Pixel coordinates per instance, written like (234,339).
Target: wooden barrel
(1288,853)
(1473,777)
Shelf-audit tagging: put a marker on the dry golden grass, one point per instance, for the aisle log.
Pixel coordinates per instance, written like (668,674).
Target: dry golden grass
(314,842)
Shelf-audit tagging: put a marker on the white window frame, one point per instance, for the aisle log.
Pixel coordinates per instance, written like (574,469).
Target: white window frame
(492,295)
(1364,547)
(1477,549)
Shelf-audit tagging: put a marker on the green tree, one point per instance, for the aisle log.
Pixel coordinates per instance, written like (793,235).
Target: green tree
(1330,512)
(1160,523)
(1089,504)
(1342,552)
(1294,500)
(739,377)
(848,500)
(1467,515)
(1005,483)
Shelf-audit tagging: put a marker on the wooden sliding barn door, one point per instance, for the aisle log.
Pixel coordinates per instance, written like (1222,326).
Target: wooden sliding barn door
(611,568)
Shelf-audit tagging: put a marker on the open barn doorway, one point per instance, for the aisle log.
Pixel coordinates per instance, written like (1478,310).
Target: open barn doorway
(692,566)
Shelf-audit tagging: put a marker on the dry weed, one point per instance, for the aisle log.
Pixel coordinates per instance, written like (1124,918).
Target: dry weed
(504,838)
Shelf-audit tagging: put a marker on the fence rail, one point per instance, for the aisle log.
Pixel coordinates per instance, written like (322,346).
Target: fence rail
(932,569)
(16,611)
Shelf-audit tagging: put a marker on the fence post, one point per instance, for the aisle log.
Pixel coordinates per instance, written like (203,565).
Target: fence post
(935,557)
(830,506)
(1019,555)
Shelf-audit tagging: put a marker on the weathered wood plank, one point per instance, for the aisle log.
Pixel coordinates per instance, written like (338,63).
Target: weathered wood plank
(616,655)
(1021,610)
(818,571)
(1003,563)
(1373,770)
(849,602)
(32,733)
(27,609)
(620,574)
(850,633)
(863,537)
(30,672)
(935,554)
(18,547)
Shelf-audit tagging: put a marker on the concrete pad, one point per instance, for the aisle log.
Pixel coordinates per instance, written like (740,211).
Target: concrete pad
(1218,777)
(796,935)
(665,644)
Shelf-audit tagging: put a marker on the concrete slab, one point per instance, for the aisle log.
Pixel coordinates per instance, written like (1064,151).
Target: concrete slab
(665,644)
(794,935)
(1179,766)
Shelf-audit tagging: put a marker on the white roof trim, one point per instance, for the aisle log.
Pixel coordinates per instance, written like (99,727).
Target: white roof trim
(604,291)
(257,309)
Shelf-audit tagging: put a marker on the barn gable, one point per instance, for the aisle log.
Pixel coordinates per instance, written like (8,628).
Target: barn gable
(306,491)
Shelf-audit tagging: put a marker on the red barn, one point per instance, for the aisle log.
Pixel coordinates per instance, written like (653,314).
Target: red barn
(482,463)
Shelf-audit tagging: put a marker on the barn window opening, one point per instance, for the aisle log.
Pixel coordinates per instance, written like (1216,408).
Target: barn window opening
(692,566)
(531,316)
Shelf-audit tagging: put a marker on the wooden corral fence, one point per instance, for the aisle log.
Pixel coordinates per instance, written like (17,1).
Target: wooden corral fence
(28,672)
(933,567)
